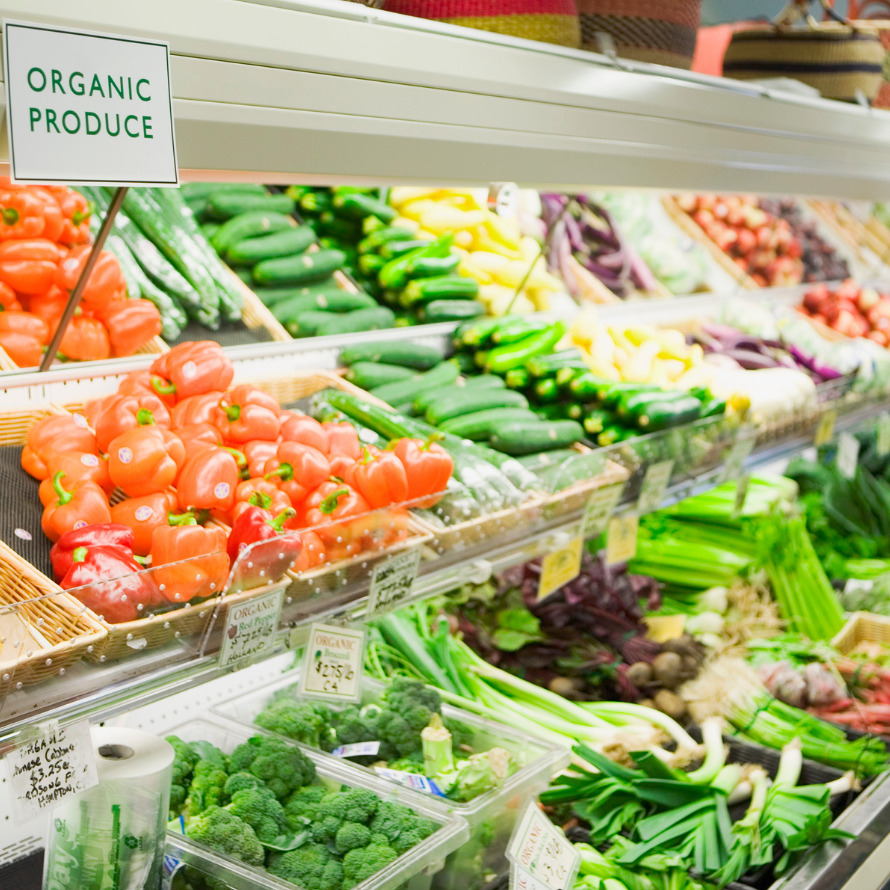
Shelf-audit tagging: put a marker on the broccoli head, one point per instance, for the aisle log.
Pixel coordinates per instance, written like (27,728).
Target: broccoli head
(351,836)
(225,832)
(325,829)
(241,782)
(260,809)
(394,729)
(311,867)
(301,808)
(354,725)
(413,832)
(405,692)
(184,760)
(390,819)
(283,767)
(302,721)
(206,788)
(366,861)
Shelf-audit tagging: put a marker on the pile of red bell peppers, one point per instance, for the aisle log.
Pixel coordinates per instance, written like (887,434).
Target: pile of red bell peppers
(44,245)
(207,472)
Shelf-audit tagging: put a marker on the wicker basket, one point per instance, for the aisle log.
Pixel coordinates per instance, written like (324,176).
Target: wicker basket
(255,314)
(662,32)
(862,627)
(854,232)
(58,629)
(550,21)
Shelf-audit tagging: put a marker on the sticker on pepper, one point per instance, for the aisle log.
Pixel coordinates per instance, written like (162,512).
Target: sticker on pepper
(189,369)
(81,421)
(143,513)
(89,460)
(221,490)
(125,455)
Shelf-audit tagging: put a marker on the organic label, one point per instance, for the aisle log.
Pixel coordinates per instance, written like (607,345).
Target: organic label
(847,455)
(143,513)
(357,749)
(599,509)
(250,628)
(735,460)
(621,540)
(655,483)
(88,108)
(541,850)
(825,429)
(333,663)
(125,455)
(560,567)
(417,781)
(883,443)
(391,582)
(520,879)
(52,768)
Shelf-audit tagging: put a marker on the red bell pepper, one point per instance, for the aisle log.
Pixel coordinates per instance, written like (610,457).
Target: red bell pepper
(49,306)
(197,437)
(195,368)
(269,563)
(139,463)
(21,215)
(307,431)
(8,299)
(247,413)
(78,466)
(188,561)
(381,479)
(24,323)
(259,493)
(84,504)
(26,351)
(344,467)
(138,382)
(298,470)
(76,212)
(29,267)
(175,448)
(106,579)
(106,283)
(142,516)
(343,439)
(56,433)
(108,533)
(331,512)
(208,481)
(428,465)
(131,324)
(114,415)
(257,452)
(195,409)
(53,220)
(85,340)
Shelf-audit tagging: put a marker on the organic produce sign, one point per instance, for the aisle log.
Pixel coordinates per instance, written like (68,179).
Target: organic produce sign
(621,539)
(559,567)
(51,768)
(391,582)
(332,664)
(654,485)
(542,851)
(250,628)
(88,108)
(599,509)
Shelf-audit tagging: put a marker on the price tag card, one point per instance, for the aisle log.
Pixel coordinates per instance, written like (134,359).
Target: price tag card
(741,495)
(825,429)
(599,509)
(621,540)
(559,567)
(503,199)
(333,663)
(655,483)
(520,879)
(391,582)
(735,460)
(250,628)
(847,455)
(883,443)
(51,769)
(541,850)
(357,749)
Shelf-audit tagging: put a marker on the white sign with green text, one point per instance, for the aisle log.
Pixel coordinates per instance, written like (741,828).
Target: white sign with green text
(88,108)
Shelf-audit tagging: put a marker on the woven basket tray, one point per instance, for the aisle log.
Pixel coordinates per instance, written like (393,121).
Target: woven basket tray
(862,627)
(855,233)
(60,629)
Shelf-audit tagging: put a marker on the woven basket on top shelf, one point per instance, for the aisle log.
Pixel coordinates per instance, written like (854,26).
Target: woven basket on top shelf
(856,233)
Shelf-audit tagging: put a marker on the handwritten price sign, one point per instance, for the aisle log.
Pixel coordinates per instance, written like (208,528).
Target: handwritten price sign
(333,663)
(540,851)
(250,629)
(391,582)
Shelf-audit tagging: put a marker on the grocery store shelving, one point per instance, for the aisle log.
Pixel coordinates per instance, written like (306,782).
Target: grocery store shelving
(332,91)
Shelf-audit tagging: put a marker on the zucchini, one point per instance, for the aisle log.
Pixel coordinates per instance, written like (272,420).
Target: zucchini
(611,391)
(393,249)
(444,374)
(287,242)
(243,272)
(468,402)
(201,191)
(308,322)
(393,352)
(272,295)
(465,362)
(435,267)
(451,310)
(713,407)
(587,385)
(379,237)
(596,420)
(449,287)
(334,301)
(542,365)
(248,225)
(342,229)
(517,331)
(659,415)
(225,205)
(477,333)
(372,318)
(561,411)
(545,390)
(317,201)
(566,374)
(631,405)
(485,381)
(481,425)
(302,269)
(514,355)
(208,230)
(354,205)
(370,264)
(367,375)
(517,378)
(517,437)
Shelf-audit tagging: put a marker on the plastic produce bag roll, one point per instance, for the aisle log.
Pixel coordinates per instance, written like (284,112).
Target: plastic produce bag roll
(112,837)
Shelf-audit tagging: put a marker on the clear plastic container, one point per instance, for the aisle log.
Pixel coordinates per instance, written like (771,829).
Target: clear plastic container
(413,870)
(491,816)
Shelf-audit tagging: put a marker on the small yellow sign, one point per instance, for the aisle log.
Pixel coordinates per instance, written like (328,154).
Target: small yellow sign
(825,430)
(662,628)
(560,567)
(621,542)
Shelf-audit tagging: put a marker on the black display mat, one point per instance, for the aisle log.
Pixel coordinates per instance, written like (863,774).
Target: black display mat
(237,334)
(20,519)
(24,874)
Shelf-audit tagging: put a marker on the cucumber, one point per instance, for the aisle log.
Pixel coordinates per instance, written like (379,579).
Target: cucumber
(545,390)
(542,365)
(468,402)
(201,191)
(375,241)
(596,420)
(485,381)
(465,362)
(451,310)
(517,437)
(287,242)
(633,404)
(477,334)
(393,352)
(244,274)
(210,229)
(611,391)
(225,205)
(302,269)
(516,331)
(449,287)
(444,374)
(481,425)
(475,384)
(370,319)
(393,249)
(566,374)
(659,415)
(248,225)
(308,322)
(288,309)
(367,375)
(517,378)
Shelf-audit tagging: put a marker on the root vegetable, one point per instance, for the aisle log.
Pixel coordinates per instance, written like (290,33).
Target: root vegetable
(670,703)
(666,668)
(640,674)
